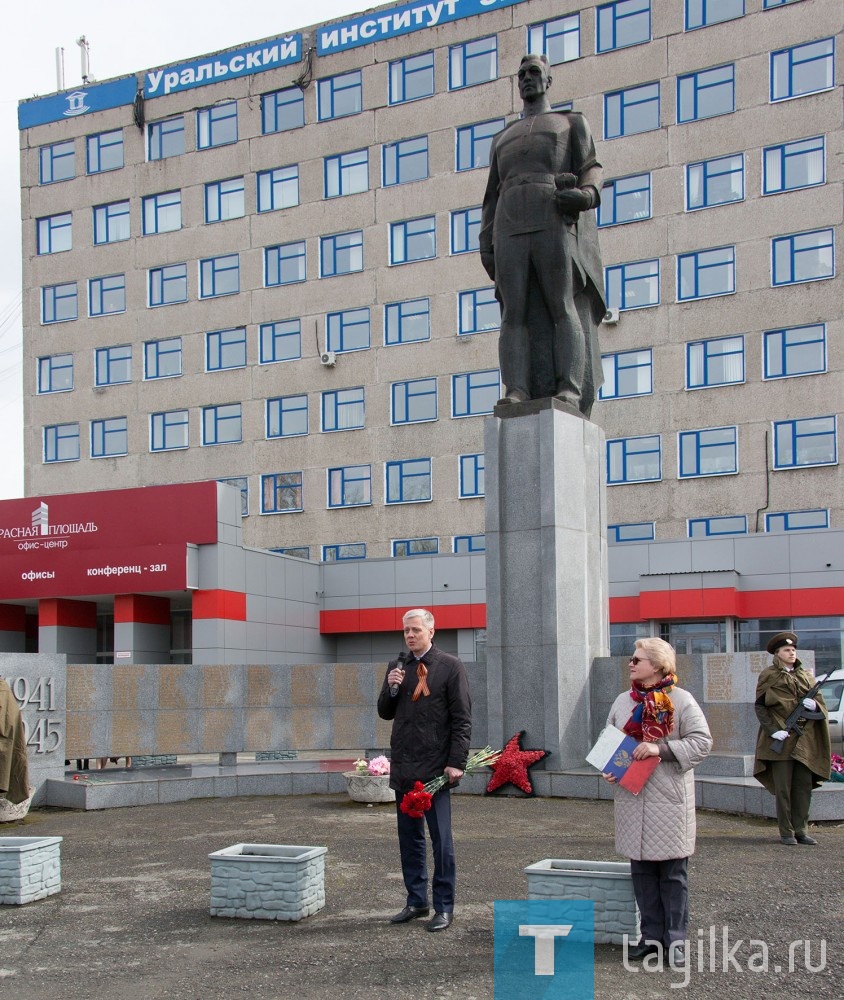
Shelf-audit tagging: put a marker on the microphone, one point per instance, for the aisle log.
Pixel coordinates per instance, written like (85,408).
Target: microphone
(394,688)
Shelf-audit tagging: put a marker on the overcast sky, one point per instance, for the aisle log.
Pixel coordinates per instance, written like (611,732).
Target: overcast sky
(123,38)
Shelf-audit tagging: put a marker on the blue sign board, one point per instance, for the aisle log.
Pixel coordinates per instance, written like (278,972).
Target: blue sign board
(77,103)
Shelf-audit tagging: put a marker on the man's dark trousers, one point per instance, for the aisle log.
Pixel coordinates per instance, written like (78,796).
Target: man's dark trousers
(414,855)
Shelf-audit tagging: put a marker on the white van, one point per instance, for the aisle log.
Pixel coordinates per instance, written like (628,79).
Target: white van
(832,690)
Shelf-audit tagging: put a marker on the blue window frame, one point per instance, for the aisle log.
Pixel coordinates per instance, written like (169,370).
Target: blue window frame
(465,229)
(168,284)
(405,161)
(346,173)
(280,341)
(338,96)
(803,257)
(107,296)
(61,443)
(413,239)
(626,199)
(799,350)
(299,551)
(348,330)
(55,233)
(714,182)
(626,22)
(628,373)
(475,393)
(468,543)
(281,492)
(57,162)
(278,188)
(634,460)
(632,286)
(163,358)
(797,520)
(709,452)
(767,4)
(405,547)
(350,486)
(287,416)
(412,78)
(222,424)
(341,253)
(104,152)
(113,365)
(794,165)
(282,110)
(471,476)
(55,373)
(478,310)
(558,39)
(716,527)
(408,481)
(59,303)
(413,401)
(162,212)
(110,437)
(407,322)
(802,69)
(700,13)
(640,531)
(225,349)
(343,409)
(471,63)
(242,483)
(111,223)
(217,125)
(714,362)
(627,112)
(473,143)
(707,93)
(169,430)
(284,264)
(219,276)
(706,273)
(810,441)
(224,200)
(349,550)
(166,138)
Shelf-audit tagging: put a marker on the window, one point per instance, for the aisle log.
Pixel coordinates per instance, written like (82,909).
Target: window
(347,173)
(414,401)
(700,13)
(714,362)
(471,476)
(59,303)
(337,553)
(162,212)
(465,229)
(104,152)
(341,253)
(626,22)
(299,551)
(803,257)
(811,441)
(57,162)
(803,69)
(710,452)
(163,358)
(403,547)
(627,112)
(705,94)
(281,492)
(715,182)
(408,481)
(558,39)
(474,393)
(706,273)
(474,142)
(107,296)
(61,443)
(219,276)
(55,374)
(113,365)
(168,284)
(407,322)
(222,424)
(343,409)
(478,310)
(168,431)
(109,437)
(224,200)
(405,161)
(339,96)
(632,286)
(800,350)
(469,543)
(166,138)
(350,486)
(714,527)
(242,483)
(284,264)
(415,239)
(217,125)
(471,63)
(794,165)
(278,188)
(282,110)
(627,199)
(629,373)
(55,233)
(797,520)
(287,416)
(347,331)
(634,460)
(412,78)
(111,223)
(766,4)
(643,531)
(225,349)
(279,341)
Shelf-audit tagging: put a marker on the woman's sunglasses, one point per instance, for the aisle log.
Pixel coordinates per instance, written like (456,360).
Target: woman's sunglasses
(638,659)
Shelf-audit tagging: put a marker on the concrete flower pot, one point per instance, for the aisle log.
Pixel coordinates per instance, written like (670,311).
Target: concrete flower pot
(30,868)
(369,787)
(267,881)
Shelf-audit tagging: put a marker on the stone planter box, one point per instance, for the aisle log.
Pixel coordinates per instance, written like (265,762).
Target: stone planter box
(606,883)
(369,787)
(30,868)
(267,881)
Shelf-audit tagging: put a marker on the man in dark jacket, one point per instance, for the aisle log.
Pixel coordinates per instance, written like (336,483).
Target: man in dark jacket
(431,710)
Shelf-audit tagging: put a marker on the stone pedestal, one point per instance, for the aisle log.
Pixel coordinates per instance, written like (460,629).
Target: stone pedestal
(30,868)
(369,788)
(546,575)
(267,881)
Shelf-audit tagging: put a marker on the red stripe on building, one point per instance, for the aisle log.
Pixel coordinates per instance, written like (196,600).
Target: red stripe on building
(141,608)
(389,619)
(226,604)
(58,611)
(723,602)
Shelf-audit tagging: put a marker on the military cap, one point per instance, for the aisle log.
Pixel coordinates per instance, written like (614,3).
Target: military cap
(781,639)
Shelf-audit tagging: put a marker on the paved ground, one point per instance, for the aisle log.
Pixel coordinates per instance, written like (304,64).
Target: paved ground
(132,920)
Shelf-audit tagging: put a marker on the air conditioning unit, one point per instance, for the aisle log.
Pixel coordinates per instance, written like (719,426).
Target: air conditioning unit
(328,358)
(611,317)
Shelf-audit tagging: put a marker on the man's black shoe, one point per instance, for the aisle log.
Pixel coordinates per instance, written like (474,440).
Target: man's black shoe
(410,913)
(440,921)
(642,950)
(804,838)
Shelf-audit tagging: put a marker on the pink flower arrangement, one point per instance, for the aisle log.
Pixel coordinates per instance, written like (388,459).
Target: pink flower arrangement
(378,766)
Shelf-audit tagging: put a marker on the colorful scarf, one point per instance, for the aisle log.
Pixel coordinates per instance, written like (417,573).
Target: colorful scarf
(653,716)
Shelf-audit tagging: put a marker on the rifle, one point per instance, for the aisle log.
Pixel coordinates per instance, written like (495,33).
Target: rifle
(800,714)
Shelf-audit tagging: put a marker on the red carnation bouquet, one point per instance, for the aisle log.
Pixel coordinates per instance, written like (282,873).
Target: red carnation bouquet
(417,801)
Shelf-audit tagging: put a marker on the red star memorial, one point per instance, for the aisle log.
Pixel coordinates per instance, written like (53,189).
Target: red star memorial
(512,766)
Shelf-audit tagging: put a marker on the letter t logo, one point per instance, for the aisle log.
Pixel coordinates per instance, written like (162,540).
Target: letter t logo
(544,934)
